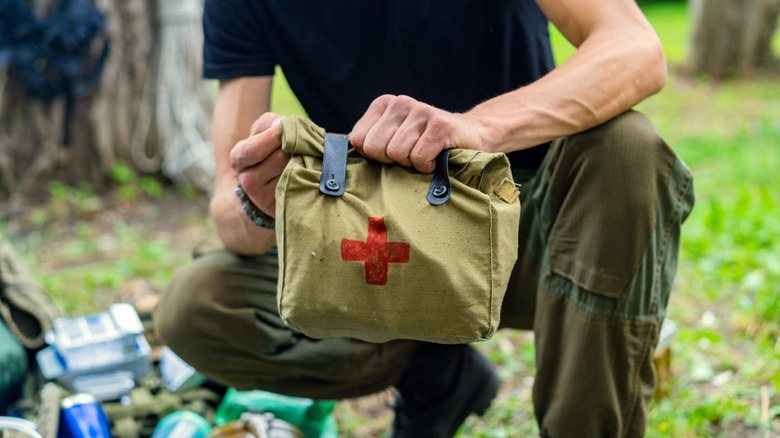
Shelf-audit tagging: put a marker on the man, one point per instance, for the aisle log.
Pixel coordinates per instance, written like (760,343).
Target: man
(602,206)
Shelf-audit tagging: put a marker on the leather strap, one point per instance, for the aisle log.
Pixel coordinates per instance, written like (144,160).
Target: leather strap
(334,164)
(440,189)
(334,170)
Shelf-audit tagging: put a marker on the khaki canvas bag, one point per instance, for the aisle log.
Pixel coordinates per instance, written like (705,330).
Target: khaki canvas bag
(380,252)
(26,307)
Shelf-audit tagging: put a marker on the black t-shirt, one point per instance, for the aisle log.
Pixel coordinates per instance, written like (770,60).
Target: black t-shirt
(338,56)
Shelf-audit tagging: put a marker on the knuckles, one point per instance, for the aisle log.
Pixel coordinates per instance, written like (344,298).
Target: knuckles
(438,125)
(263,123)
(374,151)
(419,156)
(396,153)
(422,160)
(401,103)
(256,149)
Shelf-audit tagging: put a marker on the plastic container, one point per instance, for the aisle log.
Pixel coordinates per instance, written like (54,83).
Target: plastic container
(20,427)
(103,354)
(182,424)
(313,417)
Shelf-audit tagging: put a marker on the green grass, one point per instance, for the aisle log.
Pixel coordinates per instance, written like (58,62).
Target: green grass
(727,296)
(726,354)
(84,248)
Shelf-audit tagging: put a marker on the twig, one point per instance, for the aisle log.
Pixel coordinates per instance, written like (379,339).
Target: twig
(765,409)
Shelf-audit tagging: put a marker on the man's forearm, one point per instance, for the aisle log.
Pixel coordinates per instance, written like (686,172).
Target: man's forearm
(239,103)
(605,77)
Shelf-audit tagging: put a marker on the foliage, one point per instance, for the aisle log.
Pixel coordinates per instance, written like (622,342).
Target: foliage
(130,186)
(83,248)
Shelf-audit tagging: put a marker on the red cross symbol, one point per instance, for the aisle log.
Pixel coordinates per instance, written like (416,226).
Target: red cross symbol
(376,251)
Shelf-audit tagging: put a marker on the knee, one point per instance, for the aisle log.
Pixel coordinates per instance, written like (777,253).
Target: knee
(624,160)
(627,147)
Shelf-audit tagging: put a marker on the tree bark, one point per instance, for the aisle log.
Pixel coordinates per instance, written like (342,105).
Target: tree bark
(32,148)
(732,37)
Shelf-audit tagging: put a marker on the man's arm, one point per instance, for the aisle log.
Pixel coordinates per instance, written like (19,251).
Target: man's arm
(619,62)
(240,102)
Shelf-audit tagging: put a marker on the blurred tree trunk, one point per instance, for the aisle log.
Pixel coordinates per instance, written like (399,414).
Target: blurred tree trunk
(732,37)
(32,149)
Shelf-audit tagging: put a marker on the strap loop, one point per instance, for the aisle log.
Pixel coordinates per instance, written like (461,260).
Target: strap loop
(334,164)
(440,189)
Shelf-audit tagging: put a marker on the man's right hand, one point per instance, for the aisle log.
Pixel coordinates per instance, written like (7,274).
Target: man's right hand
(258,162)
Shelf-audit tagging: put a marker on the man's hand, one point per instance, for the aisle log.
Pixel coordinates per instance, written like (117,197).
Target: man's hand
(258,162)
(399,129)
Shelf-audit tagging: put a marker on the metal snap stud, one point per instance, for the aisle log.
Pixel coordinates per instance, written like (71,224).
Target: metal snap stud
(332,185)
(440,191)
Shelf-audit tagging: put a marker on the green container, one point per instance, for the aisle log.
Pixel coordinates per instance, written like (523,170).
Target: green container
(313,417)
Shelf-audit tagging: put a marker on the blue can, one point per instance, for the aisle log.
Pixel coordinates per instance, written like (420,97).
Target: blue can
(82,416)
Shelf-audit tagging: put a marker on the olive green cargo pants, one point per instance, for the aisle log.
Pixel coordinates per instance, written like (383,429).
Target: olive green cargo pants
(599,237)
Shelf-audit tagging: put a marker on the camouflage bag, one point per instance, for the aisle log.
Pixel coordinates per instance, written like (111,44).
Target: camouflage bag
(380,252)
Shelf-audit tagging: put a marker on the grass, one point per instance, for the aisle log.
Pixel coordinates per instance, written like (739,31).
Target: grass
(726,354)
(84,248)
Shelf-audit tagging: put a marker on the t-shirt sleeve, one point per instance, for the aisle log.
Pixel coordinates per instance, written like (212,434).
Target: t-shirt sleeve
(234,43)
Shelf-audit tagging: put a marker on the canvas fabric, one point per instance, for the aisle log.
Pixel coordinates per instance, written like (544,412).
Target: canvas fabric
(25,306)
(380,262)
(598,247)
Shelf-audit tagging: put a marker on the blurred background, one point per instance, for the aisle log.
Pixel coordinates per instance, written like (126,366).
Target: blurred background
(105,173)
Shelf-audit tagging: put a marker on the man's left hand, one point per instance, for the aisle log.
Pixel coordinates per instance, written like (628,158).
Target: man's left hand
(399,129)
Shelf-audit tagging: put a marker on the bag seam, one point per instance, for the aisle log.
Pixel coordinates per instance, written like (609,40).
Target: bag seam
(492,272)
(282,255)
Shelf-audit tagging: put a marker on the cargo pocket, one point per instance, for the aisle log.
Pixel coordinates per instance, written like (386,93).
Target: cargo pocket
(606,182)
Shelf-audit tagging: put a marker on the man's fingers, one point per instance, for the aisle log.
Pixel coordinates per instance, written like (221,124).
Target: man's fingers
(359,132)
(400,147)
(257,177)
(265,197)
(264,122)
(270,198)
(274,165)
(259,182)
(259,161)
(402,130)
(375,144)
(255,149)
(378,129)
(433,140)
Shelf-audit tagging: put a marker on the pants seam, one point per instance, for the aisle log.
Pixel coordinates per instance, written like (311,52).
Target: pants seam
(677,211)
(635,380)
